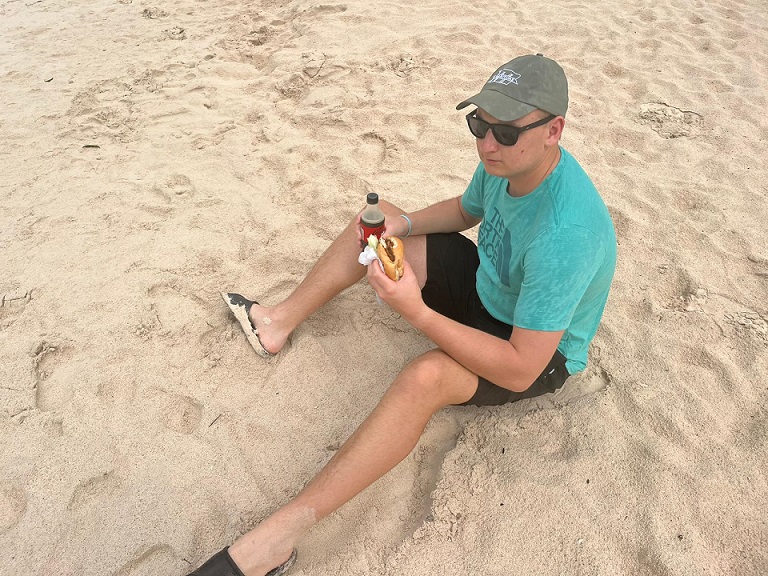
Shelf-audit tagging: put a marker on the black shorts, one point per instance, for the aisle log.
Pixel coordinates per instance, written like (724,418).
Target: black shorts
(452,263)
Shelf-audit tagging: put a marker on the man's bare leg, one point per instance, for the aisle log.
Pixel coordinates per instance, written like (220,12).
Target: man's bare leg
(429,383)
(336,269)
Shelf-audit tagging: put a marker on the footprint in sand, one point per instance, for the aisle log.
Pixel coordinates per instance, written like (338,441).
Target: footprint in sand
(372,150)
(592,380)
(154,13)
(403,65)
(13,504)
(175,33)
(750,323)
(150,325)
(182,414)
(407,129)
(670,122)
(323,9)
(51,392)
(160,198)
(694,300)
(158,559)
(172,310)
(294,88)
(174,188)
(93,490)
(254,38)
(677,290)
(104,110)
(179,186)
(177,316)
(406,64)
(759,265)
(11,306)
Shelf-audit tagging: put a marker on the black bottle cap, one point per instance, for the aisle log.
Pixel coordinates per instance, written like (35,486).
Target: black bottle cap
(372,198)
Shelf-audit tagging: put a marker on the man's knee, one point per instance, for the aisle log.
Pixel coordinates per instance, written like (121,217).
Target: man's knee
(389,209)
(437,378)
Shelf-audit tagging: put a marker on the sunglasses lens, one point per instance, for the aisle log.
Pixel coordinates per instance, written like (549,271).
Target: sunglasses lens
(504,135)
(478,128)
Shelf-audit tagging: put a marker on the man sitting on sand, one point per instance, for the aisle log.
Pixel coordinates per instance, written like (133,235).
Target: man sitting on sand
(511,317)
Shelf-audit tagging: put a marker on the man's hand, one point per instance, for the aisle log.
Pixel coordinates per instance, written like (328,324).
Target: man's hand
(358,226)
(393,226)
(404,296)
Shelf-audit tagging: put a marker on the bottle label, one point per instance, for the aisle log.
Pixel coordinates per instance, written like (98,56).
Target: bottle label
(376,229)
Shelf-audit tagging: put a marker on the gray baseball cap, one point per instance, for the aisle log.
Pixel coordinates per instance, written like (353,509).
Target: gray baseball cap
(521,86)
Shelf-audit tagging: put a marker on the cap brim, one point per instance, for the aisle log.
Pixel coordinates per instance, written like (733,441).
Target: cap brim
(498,105)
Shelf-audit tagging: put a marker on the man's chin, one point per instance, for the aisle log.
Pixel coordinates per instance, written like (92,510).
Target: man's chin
(494,168)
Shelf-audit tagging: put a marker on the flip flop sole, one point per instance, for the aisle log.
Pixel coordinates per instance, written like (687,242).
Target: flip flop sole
(240,306)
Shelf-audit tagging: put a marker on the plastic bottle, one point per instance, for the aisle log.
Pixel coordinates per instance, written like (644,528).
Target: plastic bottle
(372,219)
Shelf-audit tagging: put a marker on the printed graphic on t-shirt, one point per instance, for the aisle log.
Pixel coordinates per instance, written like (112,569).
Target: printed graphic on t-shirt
(496,243)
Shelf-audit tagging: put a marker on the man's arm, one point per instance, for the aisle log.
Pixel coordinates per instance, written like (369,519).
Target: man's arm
(445,216)
(513,364)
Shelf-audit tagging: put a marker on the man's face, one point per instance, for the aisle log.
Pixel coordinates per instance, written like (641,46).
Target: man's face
(525,156)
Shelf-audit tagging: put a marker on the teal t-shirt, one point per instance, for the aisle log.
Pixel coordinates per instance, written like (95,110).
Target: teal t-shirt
(547,258)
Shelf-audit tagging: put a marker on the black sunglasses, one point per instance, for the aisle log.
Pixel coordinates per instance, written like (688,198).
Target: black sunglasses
(504,134)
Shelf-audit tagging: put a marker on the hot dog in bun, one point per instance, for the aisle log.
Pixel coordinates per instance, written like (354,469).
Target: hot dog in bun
(390,251)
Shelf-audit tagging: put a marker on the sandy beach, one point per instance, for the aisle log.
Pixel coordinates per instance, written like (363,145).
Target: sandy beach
(153,155)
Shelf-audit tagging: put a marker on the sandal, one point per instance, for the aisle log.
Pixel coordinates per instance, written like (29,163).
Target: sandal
(221,564)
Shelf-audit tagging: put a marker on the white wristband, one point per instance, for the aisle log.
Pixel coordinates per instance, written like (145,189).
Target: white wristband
(410,225)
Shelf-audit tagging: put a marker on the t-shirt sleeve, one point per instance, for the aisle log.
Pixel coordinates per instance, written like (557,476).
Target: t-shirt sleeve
(472,200)
(557,268)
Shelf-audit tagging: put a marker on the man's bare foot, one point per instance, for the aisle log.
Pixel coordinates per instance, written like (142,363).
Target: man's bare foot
(258,562)
(272,542)
(269,324)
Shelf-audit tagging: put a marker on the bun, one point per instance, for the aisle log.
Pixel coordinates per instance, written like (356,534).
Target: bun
(391,252)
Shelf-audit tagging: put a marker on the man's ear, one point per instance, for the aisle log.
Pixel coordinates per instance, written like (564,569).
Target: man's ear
(555,130)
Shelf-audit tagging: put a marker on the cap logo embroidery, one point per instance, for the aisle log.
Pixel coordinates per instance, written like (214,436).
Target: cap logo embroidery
(505,77)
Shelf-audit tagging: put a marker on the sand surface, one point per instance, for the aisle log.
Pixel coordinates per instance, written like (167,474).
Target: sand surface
(152,155)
